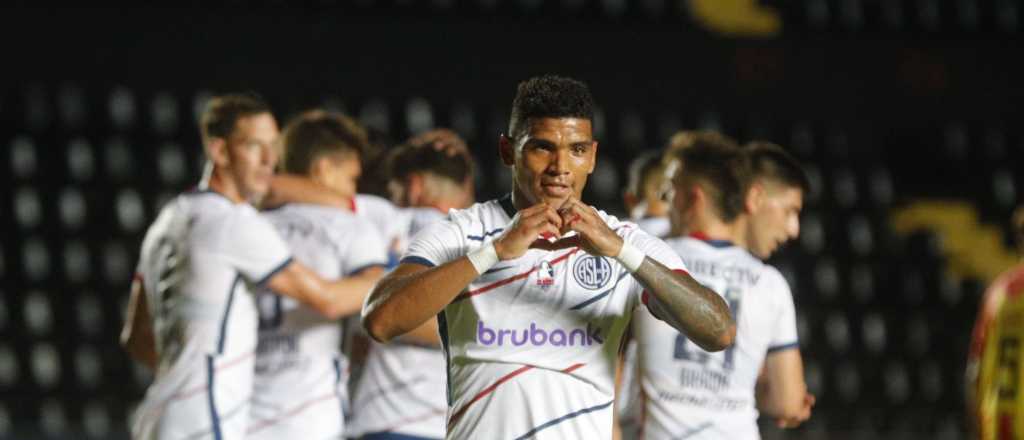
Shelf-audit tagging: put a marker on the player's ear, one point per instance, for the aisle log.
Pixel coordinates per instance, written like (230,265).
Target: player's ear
(414,188)
(507,150)
(754,198)
(320,170)
(593,158)
(629,199)
(697,196)
(217,151)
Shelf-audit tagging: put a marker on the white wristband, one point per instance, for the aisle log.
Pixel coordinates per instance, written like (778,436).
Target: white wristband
(483,258)
(630,257)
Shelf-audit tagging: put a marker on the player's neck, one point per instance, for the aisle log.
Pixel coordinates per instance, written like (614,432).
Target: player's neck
(712,228)
(217,181)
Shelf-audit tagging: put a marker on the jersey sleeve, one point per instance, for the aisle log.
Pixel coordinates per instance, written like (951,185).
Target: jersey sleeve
(436,244)
(657,250)
(255,249)
(367,249)
(784,334)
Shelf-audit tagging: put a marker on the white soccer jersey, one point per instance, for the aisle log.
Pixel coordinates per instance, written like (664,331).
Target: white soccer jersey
(689,393)
(389,220)
(300,389)
(402,387)
(200,261)
(656,226)
(531,344)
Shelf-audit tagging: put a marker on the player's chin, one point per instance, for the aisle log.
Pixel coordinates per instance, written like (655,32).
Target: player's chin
(554,201)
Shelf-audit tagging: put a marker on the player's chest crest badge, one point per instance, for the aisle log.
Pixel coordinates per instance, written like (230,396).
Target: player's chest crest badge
(545,274)
(592,272)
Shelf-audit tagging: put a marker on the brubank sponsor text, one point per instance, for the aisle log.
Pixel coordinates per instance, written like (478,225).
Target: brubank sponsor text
(538,336)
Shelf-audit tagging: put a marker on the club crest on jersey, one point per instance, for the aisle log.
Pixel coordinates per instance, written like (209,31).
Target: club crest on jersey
(545,274)
(592,272)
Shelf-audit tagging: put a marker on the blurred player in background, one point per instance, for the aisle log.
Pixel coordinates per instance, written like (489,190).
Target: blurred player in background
(657,189)
(531,327)
(995,402)
(680,141)
(686,391)
(192,315)
(400,393)
(645,194)
(300,388)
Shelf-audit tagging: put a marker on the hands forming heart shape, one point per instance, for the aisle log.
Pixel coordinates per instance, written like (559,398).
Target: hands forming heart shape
(574,224)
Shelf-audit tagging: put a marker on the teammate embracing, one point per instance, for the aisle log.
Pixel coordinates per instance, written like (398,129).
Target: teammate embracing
(730,225)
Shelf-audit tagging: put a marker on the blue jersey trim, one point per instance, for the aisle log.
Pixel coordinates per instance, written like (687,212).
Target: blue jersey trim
(214,417)
(364,267)
(784,347)
(337,384)
(263,280)
(227,313)
(442,330)
(484,235)
(601,295)
(417,260)
(393,436)
(571,415)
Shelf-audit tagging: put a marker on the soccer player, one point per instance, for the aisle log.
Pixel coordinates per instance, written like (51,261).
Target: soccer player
(401,393)
(680,141)
(192,317)
(644,196)
(688,392)
(995,402)
(532,291)
(300,389)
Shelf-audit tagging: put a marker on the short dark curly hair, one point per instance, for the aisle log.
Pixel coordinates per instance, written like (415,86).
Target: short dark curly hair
(549,96)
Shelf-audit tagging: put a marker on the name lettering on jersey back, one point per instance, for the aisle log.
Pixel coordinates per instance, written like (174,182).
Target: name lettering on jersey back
(293,227)
(736,275)
(537,337)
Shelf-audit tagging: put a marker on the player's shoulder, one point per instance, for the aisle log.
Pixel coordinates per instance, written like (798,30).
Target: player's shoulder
(418,219)
(208,203)
(493,212)
(656,226)
(372,205)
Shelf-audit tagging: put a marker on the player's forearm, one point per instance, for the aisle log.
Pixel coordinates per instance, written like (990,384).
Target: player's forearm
(426,335)
(412,294)
(694,309)
(141,352)
(345,297)
(137,333)
(285,188)
(781,403)
(781,390)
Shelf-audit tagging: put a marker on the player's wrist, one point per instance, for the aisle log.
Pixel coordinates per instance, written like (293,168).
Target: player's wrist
(484,257)
(630,257)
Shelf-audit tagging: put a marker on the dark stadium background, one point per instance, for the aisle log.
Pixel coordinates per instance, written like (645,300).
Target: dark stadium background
(907,114)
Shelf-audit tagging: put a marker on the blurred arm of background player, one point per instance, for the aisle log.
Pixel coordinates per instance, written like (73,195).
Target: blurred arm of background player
(286,188)
(781,392)
(137,334)
(332,299)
